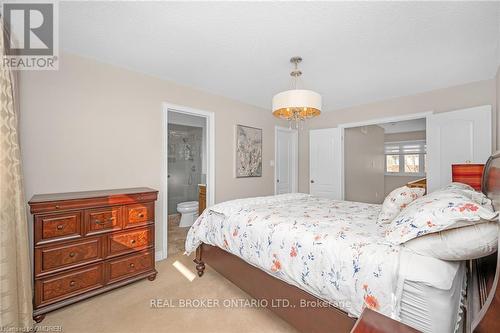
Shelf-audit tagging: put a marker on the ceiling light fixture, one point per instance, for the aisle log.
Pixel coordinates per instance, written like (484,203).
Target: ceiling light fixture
(296,105)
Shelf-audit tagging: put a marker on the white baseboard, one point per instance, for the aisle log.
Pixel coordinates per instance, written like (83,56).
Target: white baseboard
(159,255)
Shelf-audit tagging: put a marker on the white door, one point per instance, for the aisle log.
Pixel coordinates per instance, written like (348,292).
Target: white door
(325,163)
(462,136)
(286,161)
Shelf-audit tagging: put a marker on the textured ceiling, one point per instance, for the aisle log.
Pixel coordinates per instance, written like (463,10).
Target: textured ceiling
(354,53)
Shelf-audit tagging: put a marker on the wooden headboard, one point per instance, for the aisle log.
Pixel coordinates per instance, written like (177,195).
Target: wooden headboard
(483,291)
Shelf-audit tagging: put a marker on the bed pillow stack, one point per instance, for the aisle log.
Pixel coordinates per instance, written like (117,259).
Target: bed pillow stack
(468,191)
(475,241)
(398,200)
(453,223)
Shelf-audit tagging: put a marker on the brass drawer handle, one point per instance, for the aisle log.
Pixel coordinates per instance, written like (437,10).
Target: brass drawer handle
(110,219)
(141,215)
(131,265)
(72,254)
(98,222)
(60,227)
(132,241)
(72,283)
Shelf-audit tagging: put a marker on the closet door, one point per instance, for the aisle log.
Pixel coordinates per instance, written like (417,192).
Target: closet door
(325,163)
(462,136)
(286,161)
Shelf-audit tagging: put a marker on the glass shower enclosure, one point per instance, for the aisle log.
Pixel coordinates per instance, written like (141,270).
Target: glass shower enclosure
(184,164)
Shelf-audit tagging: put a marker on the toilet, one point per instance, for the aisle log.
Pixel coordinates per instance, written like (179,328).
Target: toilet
(189,213)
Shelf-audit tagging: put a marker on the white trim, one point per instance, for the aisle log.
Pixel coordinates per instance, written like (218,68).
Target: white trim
(387,120)
(210,149)
(399,174)
(159,255)
(163,252)
(405,141)
(295,158)
(342,153)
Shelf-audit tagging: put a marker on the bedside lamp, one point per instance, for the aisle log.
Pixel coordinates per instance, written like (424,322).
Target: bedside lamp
(468,173)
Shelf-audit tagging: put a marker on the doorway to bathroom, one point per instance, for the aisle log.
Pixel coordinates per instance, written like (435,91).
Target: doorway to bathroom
(188,163)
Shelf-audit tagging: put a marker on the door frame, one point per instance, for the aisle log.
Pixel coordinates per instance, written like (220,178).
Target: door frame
(295,157)
(375,121)
(209,148)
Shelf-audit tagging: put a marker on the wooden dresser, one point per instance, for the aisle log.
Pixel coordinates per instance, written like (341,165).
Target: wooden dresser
(86,243)
(374,322)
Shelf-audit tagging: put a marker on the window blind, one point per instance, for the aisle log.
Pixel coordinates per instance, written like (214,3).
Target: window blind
(405,147)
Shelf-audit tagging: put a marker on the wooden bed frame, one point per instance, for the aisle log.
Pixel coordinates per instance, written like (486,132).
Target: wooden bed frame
(309,314)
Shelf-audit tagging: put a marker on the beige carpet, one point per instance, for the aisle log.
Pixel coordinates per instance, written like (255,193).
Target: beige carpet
(128,309)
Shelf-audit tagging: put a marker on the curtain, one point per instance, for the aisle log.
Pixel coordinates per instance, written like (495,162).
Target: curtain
(15,275)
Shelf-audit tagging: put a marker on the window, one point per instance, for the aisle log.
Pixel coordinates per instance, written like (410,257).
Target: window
(405,158)
(392,163)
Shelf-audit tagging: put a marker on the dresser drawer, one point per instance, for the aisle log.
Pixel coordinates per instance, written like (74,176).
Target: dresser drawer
(129,241)
(54,258)
(124,267)
(102,220)
(69,284)
(58,226)
(139,214)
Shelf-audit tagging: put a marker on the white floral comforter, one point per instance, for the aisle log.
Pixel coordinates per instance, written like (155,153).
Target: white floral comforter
(332,249)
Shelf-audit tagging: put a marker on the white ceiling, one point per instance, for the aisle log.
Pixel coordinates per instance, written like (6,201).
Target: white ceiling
(404,126)
(354,53)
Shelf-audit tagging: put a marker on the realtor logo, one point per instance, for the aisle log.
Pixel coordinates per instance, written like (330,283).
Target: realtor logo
(32,35)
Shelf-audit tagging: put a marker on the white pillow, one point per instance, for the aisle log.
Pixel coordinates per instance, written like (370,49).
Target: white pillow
(457,186)
(464,243)
(436,212)
(397,200)
(468,191)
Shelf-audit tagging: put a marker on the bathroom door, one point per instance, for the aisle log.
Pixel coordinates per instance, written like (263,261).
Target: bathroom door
(286,161)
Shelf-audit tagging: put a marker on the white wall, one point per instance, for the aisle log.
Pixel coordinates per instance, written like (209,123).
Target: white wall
(91,126)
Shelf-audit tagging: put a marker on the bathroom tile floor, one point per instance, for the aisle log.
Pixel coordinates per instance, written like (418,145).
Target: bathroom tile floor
(176,235)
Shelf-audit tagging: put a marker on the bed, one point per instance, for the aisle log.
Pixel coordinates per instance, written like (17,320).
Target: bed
(327,261)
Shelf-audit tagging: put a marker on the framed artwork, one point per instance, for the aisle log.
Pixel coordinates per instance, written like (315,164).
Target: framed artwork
(248,151)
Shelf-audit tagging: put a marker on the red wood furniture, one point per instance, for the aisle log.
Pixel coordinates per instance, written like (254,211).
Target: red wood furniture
(373,322)
(86,243)
(202,198)
(419,183)
(469,174)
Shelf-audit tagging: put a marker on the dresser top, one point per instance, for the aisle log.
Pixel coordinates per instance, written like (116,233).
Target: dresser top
(37,198)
